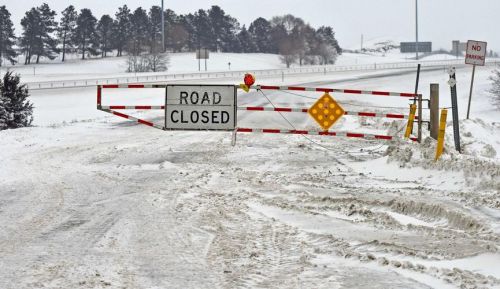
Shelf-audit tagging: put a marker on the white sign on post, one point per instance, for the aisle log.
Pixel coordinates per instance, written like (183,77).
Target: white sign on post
(200,107)
(476,53)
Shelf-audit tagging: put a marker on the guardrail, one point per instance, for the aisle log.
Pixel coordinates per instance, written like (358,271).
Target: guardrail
(235,74)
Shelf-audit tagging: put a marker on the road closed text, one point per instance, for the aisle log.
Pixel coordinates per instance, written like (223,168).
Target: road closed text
(195,116)
(205,107)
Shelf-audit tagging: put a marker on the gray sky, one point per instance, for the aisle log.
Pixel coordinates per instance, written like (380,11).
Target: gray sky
(441,21)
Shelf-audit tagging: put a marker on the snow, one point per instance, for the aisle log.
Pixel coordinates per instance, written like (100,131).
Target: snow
(89,200)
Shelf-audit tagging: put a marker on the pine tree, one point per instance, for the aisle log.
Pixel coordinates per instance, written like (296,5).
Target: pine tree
(85,33)
(225,29)
(66,29)
(37,39)
(187,22)
(203,30)
(154,29)
(260,31)
(3,113)
(121,29)
(104,29)
(47,43)
(327,35)
(7,37)
(171,22)
(15,109)
(138,32)
(246,41)
(178,37)
(31,29)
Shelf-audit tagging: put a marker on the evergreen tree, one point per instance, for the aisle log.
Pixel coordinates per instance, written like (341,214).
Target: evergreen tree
(85,33)
(246,42)
(154,29)
(203,30)
(7,37)
(67,29)
(121,29)
(260,31)
(327,35)
(31,29)
(47,43)
(15,109)
(172,24)
(187,22)
(37,39)
(3,113)
(225,29)
(138,32)
(178,37)
(104,29)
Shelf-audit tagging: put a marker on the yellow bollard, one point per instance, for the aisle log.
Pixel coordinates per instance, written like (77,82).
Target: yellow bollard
(442,128)
(409,127)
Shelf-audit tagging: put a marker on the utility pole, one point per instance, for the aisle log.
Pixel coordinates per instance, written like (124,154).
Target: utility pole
(361,42)
(416,27)
(163,26)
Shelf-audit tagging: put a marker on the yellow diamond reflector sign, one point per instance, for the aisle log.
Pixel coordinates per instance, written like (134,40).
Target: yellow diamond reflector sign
(326,111)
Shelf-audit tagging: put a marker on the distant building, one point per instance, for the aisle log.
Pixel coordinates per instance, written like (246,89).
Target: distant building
(458,48)
(408,47)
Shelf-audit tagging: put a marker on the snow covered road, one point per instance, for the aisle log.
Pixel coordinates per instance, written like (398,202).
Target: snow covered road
(103,203)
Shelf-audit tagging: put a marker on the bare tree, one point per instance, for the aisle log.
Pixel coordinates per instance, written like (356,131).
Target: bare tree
(327,53)
(288,53)
(157,61)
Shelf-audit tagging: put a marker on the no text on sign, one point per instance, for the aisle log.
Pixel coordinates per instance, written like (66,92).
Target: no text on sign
(476,52)
(200,107)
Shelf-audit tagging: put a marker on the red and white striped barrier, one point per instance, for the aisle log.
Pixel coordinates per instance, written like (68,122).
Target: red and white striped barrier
(135,107)
(110,109)
(347,91)
(263,108)
(293,88)
(322,133)
(138,120)
(134,86)
(305,110)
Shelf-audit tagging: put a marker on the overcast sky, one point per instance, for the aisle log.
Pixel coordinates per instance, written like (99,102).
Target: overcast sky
(440,21)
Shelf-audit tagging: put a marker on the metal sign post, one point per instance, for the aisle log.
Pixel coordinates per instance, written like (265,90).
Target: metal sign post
(471,88)
(476,55)
(454,103)
(202,53)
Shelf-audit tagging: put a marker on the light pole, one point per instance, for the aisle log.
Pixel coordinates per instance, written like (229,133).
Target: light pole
(416,27)
(162,26)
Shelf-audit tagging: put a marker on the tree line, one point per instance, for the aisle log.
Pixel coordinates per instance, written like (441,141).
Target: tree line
(139,32)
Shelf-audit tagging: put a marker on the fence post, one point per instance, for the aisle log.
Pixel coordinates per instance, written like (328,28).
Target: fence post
(434,106)
(420,118)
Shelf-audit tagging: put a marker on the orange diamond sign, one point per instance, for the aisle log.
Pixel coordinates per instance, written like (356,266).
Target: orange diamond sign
(326,111)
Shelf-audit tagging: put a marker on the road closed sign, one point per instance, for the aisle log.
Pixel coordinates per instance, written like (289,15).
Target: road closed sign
(200,107)
(476,52)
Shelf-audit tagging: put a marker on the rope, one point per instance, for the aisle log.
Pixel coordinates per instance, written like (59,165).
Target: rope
(304,136)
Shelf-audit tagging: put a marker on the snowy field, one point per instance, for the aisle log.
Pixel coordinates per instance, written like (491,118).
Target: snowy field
(89,200)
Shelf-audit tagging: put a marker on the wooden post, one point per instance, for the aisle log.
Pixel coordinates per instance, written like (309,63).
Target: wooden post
(420,118)
(434,105)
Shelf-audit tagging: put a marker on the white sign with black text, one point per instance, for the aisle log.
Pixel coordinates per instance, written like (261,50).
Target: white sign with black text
(476,52)
(200,107)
